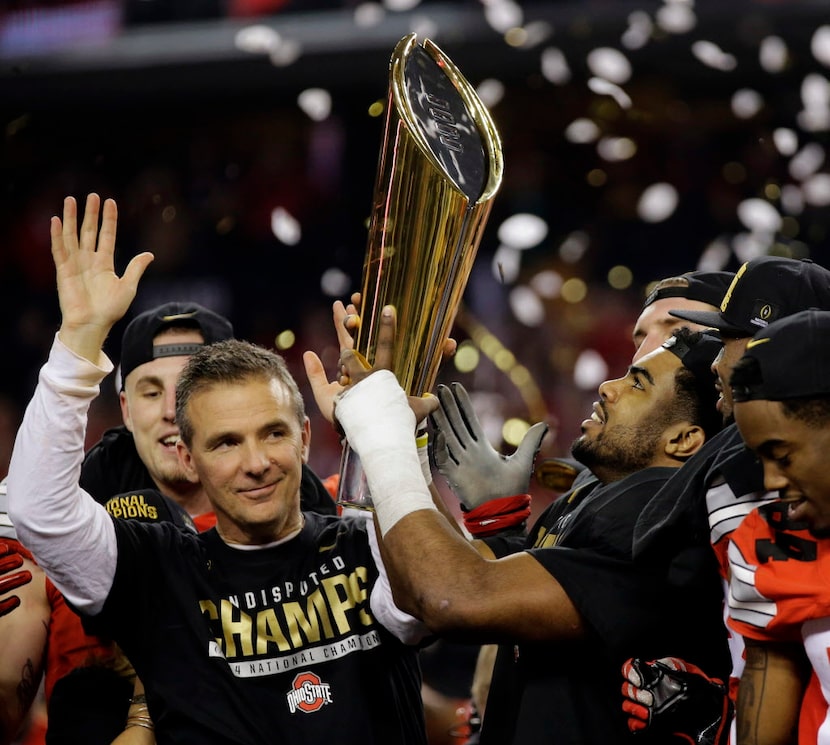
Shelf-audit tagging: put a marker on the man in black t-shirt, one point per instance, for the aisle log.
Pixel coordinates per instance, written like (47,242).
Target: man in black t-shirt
(90,690)
(276,625)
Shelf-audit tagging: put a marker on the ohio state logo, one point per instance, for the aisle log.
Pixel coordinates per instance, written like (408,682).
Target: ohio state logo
(308,693)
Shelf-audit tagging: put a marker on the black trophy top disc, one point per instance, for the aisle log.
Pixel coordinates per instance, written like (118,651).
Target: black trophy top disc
(446,123)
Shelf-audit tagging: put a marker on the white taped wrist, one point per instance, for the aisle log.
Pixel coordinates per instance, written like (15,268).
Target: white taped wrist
(380,427)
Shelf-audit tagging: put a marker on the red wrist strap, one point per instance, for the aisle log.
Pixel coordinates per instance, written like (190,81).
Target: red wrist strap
(496,515)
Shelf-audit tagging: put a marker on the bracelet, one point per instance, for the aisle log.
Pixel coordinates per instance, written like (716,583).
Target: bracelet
(139,714)
(139,720)
(145,722)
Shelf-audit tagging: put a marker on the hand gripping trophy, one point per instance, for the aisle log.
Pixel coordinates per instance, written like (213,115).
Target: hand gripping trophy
(439,168)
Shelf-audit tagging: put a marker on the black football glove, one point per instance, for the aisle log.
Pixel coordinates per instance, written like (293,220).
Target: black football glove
(672,698)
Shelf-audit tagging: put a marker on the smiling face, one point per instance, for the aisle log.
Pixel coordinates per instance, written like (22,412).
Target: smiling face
(148,408)
(628,429)
(794,456)
(654,324)
(248,449)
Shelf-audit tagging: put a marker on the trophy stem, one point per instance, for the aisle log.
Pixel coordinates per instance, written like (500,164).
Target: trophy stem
(353,490)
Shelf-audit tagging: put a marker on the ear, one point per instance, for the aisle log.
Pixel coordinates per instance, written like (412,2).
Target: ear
(125,411)
(684,440)
(186,459)
(306,435)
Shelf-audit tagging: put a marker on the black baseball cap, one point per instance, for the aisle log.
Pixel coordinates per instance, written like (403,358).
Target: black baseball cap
(705,287)
(137,342)
(792,357)
(764,290)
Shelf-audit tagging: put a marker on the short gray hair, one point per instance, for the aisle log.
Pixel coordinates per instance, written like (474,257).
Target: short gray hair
(230,361)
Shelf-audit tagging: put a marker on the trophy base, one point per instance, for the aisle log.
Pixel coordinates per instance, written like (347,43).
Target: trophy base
(356,505)
(353,490)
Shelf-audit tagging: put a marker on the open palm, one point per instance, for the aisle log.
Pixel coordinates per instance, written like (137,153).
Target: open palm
(92,296)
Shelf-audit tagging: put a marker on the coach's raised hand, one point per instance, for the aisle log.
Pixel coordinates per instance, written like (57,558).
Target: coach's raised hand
(92,296)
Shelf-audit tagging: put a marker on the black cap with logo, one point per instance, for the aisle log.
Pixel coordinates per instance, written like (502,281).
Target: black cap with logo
(792,360)
(137,342)
(763,290)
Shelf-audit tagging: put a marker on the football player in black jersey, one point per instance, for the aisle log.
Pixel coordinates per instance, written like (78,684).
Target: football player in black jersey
(571,606)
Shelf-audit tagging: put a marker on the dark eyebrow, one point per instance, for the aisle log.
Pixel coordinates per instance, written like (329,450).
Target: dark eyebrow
(281,423)
(767,448)
(218,437)
(637,370)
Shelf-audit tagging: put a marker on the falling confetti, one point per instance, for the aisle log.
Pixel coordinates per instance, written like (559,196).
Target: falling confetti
(285,227)
(523,231)
(316,103)
(820,45)
(606,88)
(657,202)
(712,55)
(609,64)
(759,215)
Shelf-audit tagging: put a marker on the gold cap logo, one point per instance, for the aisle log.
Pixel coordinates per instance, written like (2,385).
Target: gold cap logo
(728,296)
(178,316)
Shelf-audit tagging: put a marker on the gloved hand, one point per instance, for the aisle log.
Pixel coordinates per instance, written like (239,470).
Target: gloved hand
(673,698)
(10,559)
(475,471)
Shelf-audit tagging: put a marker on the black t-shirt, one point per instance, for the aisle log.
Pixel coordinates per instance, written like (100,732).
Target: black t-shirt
(569,692)
(112,466)
(262,646)
(90,705)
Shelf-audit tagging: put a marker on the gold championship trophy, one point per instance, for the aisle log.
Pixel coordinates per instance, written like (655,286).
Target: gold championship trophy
(440,166)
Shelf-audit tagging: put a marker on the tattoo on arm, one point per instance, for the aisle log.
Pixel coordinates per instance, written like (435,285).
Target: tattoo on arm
(27,688)
(749,695)
(770,692)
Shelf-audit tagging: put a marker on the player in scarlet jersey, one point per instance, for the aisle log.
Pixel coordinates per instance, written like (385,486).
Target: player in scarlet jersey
(707,499)
(780,555)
